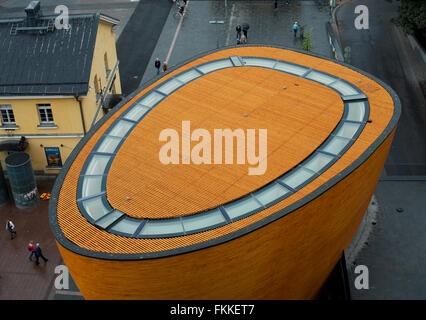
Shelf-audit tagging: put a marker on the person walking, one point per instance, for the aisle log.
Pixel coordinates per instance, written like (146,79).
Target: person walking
(295,28)
(157,65)
(38,253)
(11,228)
(238,28)
(31,248)
(275,4)
(164,66)
(243,39)
(245,29)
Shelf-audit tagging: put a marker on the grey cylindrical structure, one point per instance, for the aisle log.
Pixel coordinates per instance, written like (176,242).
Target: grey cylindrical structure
(21,179)
(4,193)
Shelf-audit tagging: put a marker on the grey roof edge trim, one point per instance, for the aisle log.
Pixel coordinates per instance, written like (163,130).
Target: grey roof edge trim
(63,241)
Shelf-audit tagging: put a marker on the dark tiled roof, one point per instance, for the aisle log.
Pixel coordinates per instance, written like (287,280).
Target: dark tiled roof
(53,63)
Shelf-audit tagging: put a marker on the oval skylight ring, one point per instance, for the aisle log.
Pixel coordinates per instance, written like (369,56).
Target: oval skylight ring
(353,120)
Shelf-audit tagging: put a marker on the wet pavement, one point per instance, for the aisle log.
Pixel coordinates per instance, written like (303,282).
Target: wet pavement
(21,278)
(394,251)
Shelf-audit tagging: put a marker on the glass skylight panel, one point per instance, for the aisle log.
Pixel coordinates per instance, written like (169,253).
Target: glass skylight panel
(356,111)
(151,99)
(188,75)
(91,185)
(241,207)
(136,112)
(203,220)
(110,218)
(162,227)
(127,225)
(297,177)
(169,86)
(259,62)
(320,77)
(318,161)
(215,65)
(120,128)
(335,145)
(348,130)
(287,67)
(97,165)
(343,87)
(108,144)
(270,193)
(95,208)
(236,61)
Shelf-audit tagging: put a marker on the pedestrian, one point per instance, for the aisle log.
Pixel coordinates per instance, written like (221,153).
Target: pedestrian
(31,248)
(295,28)
(157,64)
(38,253)
(302,32)
(11,228)
(238,28)
(275,4)
(243,39)
(164,66)
(245,29)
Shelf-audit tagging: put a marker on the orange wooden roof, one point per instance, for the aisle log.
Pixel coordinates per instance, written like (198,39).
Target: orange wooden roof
(82,233)
(216,101)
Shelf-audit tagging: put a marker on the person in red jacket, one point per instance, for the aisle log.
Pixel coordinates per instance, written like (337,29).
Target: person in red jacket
(31,248)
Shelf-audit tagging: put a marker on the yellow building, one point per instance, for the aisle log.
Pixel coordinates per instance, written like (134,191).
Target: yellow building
(54,82)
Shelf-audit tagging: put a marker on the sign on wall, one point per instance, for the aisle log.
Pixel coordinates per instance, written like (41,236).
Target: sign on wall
(53,157)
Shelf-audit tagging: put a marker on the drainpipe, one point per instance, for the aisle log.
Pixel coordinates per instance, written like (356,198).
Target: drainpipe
(81,113)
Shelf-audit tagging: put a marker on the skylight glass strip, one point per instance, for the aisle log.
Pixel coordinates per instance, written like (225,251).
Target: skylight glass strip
(170,85)
(291,68)
(95,207)
(343,87)
(188,76)
(348,130)
(136,112)
(127,225)
(91,185)
(162,227)
(241,207)
(270,193)
(259,62)
(109,219)
(320,77)
(355,111)
(121,128)
(203,220)
(109,144)
(97,165)
(215,65)
(335,145)
(318,161)
(297,177)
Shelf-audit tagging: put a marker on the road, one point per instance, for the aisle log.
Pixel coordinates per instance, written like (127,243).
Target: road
(394,252)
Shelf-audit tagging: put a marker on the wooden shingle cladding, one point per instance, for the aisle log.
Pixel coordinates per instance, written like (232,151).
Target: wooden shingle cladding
(76,229)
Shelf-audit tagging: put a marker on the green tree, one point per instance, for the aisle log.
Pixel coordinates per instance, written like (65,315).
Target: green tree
(412,16)
(307,43)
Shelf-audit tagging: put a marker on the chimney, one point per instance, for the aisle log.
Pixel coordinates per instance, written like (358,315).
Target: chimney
(33,13)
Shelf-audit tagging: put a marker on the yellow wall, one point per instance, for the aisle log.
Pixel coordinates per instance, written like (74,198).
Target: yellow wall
(105,43)
(66,111)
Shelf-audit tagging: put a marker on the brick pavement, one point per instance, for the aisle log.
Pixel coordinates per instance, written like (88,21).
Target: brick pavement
(20,278)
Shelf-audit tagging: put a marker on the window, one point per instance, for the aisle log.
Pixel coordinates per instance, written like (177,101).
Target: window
(45,113)
(7,116)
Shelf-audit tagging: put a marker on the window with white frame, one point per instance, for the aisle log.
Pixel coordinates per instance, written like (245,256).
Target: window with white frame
(45,113)
(7,116)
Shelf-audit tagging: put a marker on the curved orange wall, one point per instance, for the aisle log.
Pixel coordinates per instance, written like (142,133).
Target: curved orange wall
(289,258)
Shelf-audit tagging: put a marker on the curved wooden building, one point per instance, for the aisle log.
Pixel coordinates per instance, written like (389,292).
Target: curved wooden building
(130,227)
